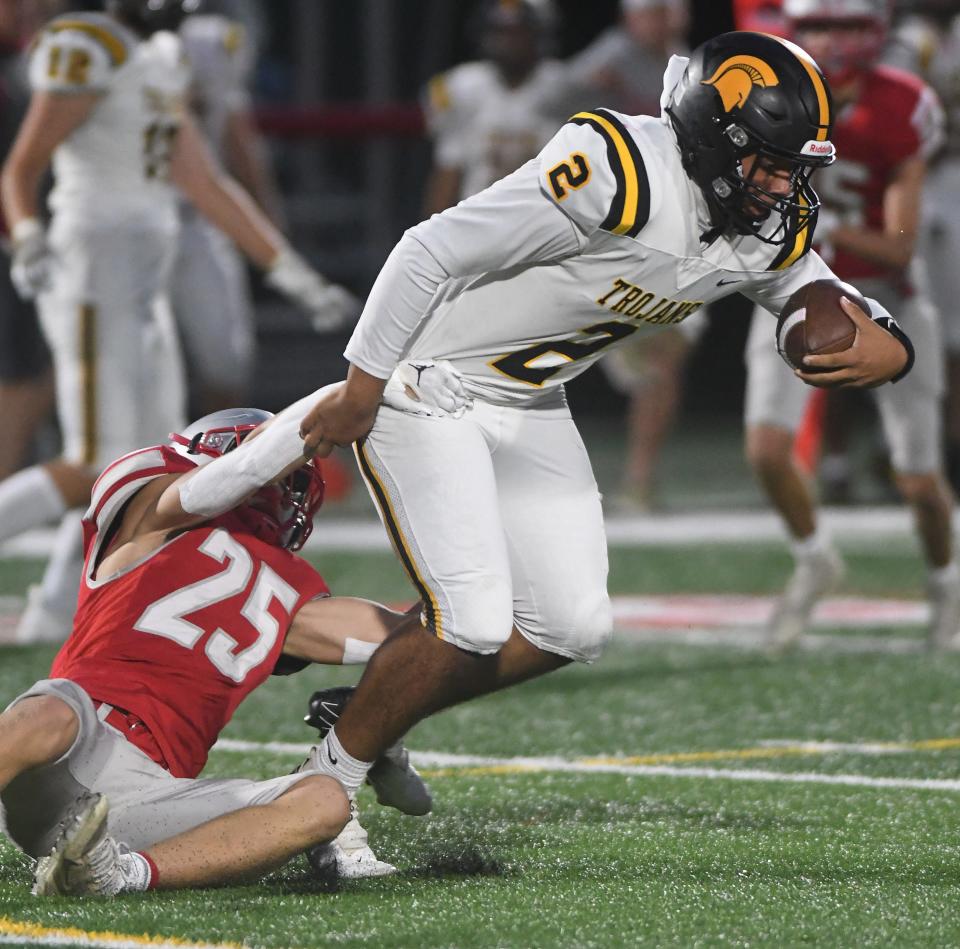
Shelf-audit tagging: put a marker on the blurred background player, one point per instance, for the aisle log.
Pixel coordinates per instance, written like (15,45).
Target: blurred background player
(888,124)
(209,290)
(108,107)
(927,42)
(623,69)
(489,116)
(26,380)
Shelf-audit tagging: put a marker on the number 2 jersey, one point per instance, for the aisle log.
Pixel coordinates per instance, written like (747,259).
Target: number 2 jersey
(182,637)
(600,237)
(114,169)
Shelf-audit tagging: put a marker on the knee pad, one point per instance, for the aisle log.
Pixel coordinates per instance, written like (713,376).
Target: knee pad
(578,628)
(477,617)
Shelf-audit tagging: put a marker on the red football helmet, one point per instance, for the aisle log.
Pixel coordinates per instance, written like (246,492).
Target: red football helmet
(845,37)
(280,513)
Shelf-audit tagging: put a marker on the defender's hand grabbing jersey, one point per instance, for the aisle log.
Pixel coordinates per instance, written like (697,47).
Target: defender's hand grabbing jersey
(181,638)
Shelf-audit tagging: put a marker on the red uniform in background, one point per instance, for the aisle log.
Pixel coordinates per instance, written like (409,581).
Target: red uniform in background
(764,16)
(180,639)
(895,117)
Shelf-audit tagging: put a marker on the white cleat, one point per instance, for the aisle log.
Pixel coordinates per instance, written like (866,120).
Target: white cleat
(813,577)
(85,860)
(39,623)
(944,629)
(349,853)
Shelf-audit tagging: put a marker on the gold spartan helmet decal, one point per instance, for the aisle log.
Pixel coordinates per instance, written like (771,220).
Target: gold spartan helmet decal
(735,78)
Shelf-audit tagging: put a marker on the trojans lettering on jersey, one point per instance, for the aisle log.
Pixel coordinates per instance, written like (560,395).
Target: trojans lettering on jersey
(896,117)
(181,638)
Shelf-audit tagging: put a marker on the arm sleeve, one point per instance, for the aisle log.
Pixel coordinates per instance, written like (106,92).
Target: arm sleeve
(589,176)
(69,60)
(773,294)
(225,482)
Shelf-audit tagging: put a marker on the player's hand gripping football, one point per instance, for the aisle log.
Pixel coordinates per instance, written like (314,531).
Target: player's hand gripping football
(425,387)
(330,306)
(32,259)
(344,413)
(875,357)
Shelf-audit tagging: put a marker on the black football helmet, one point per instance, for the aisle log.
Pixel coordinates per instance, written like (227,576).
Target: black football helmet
(753,94)
(280,513)
(514,33)
(151,16)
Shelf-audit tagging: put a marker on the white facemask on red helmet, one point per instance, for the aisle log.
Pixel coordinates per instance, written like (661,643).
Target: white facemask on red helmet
(280,514)
(851,34)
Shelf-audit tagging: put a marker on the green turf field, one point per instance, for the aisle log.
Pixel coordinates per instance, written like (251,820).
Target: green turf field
(810,799)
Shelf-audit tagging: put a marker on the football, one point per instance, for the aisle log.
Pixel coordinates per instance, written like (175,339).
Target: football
(812,321)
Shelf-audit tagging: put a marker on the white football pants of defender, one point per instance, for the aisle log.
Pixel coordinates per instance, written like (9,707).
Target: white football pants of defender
(211,302)
(496,518)
(910,410)
(116,358)
(147,804)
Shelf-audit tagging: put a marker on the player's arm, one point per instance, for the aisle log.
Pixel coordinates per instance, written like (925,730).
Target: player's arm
(219,198)
(339,630)
(69,72)
(544,211)
(881,352)
(222,201)
(892,245)
(50,119)
(247,160)
(445,115)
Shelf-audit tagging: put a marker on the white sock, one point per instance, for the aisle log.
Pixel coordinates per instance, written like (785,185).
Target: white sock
(945,576)
(28,499)
(357,651)
(61,579)
(811,545)
(330,758)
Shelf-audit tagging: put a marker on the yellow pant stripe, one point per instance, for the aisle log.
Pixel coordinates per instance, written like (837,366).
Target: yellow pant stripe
(400,545)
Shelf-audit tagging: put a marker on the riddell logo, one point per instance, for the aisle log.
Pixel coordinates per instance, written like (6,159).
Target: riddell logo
(817,148)
(735,78)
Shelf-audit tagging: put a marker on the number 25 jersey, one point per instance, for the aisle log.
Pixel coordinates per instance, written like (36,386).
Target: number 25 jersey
(182,637)
(113,169)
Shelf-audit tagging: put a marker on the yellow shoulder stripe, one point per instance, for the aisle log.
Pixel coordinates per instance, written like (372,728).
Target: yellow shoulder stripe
(800,244)
(113,44)
(630,208)
(439,94)
(233,38)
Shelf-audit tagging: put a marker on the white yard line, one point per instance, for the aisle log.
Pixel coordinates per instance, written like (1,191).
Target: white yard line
(479,764)
(851,527)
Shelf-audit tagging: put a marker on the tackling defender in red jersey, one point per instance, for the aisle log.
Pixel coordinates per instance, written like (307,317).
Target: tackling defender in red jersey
(191,597)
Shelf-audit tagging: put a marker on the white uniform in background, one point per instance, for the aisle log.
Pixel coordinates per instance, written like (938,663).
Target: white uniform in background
(496,514)
(934,54)
(113,233)
(210,291)
(489,129)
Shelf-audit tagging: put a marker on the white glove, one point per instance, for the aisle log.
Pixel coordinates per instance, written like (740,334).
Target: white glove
(330,306)
(32,258)
(425,387)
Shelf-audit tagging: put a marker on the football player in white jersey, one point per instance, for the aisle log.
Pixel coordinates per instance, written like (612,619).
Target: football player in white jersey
(889,124)
(489,116)
(108,109)
(622,225)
